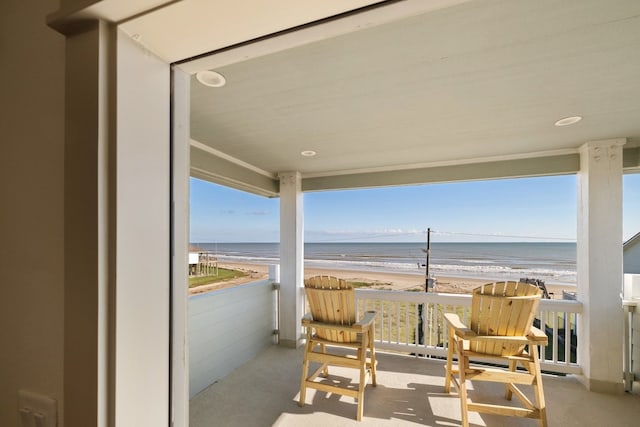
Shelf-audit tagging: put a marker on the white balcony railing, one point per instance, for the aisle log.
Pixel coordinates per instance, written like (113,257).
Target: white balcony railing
(218,343)
(227,328)
(398,325)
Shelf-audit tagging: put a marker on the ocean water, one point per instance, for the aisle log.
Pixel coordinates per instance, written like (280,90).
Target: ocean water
(551,262)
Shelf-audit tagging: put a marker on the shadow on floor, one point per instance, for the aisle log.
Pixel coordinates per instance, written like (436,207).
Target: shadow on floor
(410,391)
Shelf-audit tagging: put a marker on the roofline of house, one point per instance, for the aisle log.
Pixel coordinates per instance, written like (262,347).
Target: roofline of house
(632,240)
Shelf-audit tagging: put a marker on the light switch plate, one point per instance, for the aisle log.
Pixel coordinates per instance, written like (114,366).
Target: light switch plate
(36,410)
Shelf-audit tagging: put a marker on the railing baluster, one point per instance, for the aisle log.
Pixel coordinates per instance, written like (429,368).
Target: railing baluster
(407,323)
(567,339)
(386,318)
(555,338)
(553,341)
(397,307)
(416,334)
(433,323)
(396,322)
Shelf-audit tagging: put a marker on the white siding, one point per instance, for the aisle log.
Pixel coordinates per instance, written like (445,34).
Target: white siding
(193,257)
(227,328)
(632,258)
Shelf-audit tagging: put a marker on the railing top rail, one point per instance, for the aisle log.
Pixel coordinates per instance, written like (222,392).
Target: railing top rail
(570,306)
(420,297)
(232,289)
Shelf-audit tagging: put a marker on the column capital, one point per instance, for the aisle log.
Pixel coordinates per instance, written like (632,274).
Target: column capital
(603,143)
(289,177)
(611,148)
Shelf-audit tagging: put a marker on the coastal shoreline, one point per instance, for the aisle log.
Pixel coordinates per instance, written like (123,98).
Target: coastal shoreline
(396,281)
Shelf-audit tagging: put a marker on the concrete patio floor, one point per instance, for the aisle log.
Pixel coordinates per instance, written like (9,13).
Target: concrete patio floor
(264,392)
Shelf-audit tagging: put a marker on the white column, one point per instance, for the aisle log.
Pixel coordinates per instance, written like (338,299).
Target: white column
(141,237)
(291,258)
(180,107)
(599,260)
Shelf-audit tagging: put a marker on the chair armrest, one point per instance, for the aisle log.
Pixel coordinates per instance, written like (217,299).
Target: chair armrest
(357,327)
(519,339)
(367,320)
(538,336)
(320,325)
(307,319)
(461,330)
(535,336)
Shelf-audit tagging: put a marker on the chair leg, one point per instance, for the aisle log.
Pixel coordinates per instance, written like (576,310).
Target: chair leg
(372,352)
(361,386)
(325,371)
(537,386)
(362,383)
(513,364)
(305,372)
(447,375)
(463,362)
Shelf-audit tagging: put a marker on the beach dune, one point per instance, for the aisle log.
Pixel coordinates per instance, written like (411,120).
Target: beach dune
(381,280)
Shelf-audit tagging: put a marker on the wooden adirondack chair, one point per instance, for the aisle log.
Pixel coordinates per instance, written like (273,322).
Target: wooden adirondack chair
(332,324)
(501,329)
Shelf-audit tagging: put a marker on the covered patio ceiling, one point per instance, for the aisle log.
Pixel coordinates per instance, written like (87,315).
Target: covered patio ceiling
(406,92)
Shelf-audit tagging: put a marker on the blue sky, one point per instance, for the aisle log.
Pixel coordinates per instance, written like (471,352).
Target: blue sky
(528,209)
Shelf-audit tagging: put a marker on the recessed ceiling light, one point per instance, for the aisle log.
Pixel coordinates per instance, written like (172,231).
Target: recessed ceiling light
(211,78)
(308,153)
(568,121)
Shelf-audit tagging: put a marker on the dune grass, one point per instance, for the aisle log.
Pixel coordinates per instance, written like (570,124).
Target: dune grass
(373,285)
(223,274)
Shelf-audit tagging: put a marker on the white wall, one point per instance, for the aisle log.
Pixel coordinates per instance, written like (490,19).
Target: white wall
(193,257)
(31,205)
(227,328)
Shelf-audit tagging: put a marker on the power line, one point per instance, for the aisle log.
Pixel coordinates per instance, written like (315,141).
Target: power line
(454,233)
(365,236)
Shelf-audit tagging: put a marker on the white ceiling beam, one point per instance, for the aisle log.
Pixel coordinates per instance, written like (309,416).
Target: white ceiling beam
(348,22)
(542,166)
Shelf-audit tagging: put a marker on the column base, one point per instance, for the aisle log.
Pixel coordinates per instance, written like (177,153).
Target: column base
(290,343)
(599,386)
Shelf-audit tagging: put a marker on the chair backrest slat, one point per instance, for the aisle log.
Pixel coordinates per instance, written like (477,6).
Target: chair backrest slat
(503,309)
(332,300)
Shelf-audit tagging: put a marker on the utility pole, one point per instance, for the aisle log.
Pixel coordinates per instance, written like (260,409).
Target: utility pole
(427,281)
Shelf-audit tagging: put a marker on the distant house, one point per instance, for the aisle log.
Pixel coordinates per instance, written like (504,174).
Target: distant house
(631,255)
(202,261)
(194,253)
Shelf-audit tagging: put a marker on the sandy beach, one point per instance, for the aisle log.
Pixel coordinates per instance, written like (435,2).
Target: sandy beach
(387,281)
